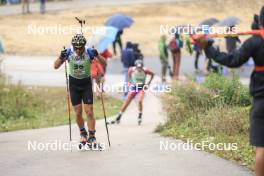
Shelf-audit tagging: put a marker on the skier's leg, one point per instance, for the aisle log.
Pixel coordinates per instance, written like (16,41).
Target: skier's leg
(76,101)
(90,122)
(88,108)
(140,106)
(130,97)
(80,122)
(78,113)
(87,98)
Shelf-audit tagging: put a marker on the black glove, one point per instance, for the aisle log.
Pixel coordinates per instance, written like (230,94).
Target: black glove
(63,54)
(95,52)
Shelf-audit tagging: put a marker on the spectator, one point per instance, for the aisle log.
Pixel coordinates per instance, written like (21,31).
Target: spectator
(175,47)
(119,41)
(163,57)
(128,60)
(42,6)
(25,6)
(138,54)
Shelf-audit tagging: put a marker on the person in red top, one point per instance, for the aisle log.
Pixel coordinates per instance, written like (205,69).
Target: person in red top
(98,71)
(136,80)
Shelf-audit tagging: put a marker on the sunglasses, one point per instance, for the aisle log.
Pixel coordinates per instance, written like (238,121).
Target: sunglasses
(78,48)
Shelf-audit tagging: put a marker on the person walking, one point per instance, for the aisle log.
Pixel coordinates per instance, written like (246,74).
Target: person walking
(175,47)
(163,54)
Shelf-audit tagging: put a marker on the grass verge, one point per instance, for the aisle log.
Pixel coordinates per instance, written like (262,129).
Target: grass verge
(37,107)
(216,111)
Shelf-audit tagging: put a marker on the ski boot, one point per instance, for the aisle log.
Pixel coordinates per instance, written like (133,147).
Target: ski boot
(116,121)
(83,139)
(139,118)
(92,144)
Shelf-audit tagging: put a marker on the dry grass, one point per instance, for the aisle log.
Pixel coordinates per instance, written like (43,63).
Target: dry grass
(145,31)
(199,114)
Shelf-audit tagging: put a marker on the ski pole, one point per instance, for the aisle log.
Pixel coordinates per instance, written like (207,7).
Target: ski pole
(103,108)
(82,22)
(106,126)
(193,37)
(259,32)
(68,98)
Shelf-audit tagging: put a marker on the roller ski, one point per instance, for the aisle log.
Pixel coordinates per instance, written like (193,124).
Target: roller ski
(90,143)
(116,121)
(83,139)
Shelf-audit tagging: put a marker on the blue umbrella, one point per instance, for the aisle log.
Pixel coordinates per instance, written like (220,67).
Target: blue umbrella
(120,21)
(102,37)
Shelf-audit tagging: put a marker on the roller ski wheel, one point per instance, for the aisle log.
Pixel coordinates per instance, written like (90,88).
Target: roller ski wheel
(83,141)
(113,122)
(90,146)
(94,146)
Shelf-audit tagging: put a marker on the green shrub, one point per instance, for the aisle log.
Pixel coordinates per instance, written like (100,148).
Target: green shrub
(188,100)
(231,91)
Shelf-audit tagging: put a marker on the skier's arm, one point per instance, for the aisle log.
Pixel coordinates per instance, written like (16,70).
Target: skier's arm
(93,53)
(129,76)
(63,56)
(149,72)
(58,62)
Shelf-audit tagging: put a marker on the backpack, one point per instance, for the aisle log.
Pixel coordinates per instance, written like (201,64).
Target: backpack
(173,46)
